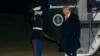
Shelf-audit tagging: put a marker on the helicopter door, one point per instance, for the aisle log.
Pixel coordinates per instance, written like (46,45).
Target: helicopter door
(87,33)
(82,10)
(84,32)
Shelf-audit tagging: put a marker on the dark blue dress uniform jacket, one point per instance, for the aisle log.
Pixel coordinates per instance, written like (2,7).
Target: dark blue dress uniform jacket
(37,34)
(70,34)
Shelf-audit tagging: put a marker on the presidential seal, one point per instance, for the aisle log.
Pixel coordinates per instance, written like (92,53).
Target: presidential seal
(57,20)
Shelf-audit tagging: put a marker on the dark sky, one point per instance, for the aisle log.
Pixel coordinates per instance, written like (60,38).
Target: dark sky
(15,6)
(14,26)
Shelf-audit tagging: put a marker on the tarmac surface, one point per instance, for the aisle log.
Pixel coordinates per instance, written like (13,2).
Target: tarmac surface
(23,48)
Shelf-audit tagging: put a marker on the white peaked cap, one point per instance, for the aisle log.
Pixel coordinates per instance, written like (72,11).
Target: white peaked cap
(37,8)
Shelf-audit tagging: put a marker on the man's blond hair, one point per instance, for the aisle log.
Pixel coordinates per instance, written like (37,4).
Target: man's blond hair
(67,7)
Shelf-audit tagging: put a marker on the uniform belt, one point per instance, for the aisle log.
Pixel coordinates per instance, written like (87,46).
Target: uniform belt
(37,28)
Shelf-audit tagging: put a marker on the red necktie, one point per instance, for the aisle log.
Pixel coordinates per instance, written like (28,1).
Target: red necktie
(66,18)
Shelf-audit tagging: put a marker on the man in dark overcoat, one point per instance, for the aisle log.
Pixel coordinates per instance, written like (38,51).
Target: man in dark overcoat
(70,29)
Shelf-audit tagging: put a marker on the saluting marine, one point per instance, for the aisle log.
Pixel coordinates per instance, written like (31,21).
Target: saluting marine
(38,8)
(37,27)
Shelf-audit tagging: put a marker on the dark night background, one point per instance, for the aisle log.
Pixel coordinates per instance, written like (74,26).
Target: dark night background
(15,6)
(14,24)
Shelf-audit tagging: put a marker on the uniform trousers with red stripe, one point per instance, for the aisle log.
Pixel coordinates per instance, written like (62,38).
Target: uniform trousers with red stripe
(37,46)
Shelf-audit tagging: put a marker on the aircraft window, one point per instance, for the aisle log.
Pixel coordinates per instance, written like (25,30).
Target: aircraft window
(93,5)
(63,2)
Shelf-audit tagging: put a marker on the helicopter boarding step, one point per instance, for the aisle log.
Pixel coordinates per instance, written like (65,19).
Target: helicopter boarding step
(87,39)
(89,44)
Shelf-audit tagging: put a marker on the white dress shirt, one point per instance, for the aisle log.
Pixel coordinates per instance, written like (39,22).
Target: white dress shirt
(66,17)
